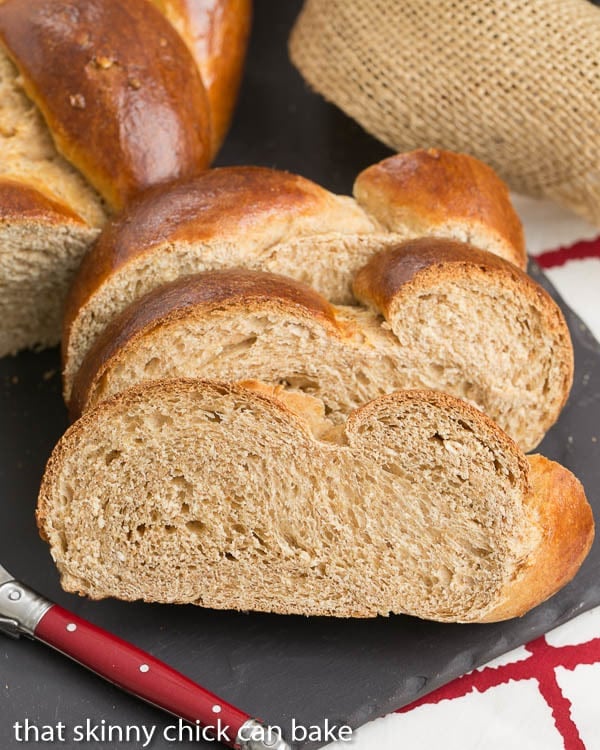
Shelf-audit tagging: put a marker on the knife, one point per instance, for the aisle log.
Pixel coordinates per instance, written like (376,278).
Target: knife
(25,612)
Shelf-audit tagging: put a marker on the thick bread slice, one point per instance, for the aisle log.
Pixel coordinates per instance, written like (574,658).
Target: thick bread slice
(446,194)
(41,244)
(216,32)
(245,216)
(207,493)
(131,109)
(463,321)
(238,324)
(232,216)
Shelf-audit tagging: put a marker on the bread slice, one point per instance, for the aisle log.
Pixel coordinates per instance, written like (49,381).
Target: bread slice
(209,493)
(41,244)
(462,321)
(274,221)
(445,194)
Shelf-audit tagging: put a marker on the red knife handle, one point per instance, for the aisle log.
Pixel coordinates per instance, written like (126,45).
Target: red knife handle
(137,672)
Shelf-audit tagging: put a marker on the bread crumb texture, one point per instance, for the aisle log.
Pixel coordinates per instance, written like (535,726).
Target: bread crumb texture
(220,495)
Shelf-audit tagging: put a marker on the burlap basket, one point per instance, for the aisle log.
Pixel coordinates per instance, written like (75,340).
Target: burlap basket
(513,82)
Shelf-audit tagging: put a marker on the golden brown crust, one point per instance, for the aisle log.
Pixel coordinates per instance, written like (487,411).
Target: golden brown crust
(20,202)
(430,188)
(197,294)
(557,504)
(382,278)
(217,32)
(122,96)
(220,203)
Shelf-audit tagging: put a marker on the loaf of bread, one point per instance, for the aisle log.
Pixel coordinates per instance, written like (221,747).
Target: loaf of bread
(100,100)
(455,319)
(269,220)
(216,33)
(213,494)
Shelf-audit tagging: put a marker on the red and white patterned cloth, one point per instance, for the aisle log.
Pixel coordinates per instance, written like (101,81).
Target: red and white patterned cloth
(545,695)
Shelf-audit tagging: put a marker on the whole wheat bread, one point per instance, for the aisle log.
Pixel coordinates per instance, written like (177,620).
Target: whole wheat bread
(209,493)
(269,220)
(462,321)
(120,120)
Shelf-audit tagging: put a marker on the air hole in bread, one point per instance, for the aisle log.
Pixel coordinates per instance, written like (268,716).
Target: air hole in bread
(258,537)
(182,484)
(302,383)
(238,348)
(112,456)
(62,541)
(362,377)
(292,541)
(444,576)
(212,416)
(320,568)
(66,493)
(152,366)
(196,527)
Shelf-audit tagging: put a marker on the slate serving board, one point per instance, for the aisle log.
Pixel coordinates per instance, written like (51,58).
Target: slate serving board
(274,667)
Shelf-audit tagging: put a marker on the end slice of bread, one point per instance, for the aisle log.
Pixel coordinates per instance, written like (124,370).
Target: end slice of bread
(41,244)
(213,494)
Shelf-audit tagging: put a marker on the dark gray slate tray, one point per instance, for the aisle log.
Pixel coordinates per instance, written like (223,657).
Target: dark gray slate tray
(275,667)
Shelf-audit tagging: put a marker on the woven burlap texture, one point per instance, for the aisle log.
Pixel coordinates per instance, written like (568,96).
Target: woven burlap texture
(515,83)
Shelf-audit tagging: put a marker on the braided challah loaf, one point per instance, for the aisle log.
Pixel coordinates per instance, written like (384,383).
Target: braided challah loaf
(100,100)
(334,477)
